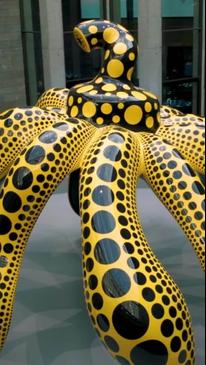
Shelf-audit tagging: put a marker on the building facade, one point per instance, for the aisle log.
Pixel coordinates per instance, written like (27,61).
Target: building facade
(12,78)
(38,51)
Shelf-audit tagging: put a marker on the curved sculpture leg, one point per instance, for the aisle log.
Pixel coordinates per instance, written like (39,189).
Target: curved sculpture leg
(18,127)
(135,306)
(178,187)
(187,134)
(30,183)
(55,98)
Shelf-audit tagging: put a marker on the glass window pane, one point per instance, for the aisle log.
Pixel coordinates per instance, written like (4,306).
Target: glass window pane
(178,54)
(90,9)
(182,51)
(180,95)
(178,8)
(129,15)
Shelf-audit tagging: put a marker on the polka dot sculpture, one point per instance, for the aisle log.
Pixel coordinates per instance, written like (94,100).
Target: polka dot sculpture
(113,133)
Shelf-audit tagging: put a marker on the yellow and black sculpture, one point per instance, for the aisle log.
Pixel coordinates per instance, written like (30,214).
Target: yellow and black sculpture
(113,133)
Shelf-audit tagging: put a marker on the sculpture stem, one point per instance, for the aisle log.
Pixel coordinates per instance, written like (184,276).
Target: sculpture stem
(119,45)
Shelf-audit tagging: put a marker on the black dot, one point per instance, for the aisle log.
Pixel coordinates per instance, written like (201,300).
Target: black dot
(153,278)
(112,153)
(5,224)
(107,251)
(61,126)
(45,167)
(112,344)
(87,248)
(3,263)
(173,312)
(193,206)
(198,188)
(28,113)
(36,189)
(121,184)
(179,324)
(159,289)
(12,202)
(18,116)
(121,208)
(183,357)
(107,173)
(166,300)
(86,232)
(103,222)
(131,320)
(133,263)
(167,156)
(51,157)
(123,221)
(48,137)
(103,196)
(116,283)
(122,173)
(148,295)
(22,178)
(150,352)
(87,192)
(93,282)
(35,155)
(8,123)
(117,138)
(158,311)
(175,344)
(199,216)
(103,322)
(140,278)
(188,170)
(125,234)
(172,164)
(86,218)
(182,185)
(13,236)
(97,301)
(124,163)
(8,248)
(89,265)
(187,195)
(167,328)
(120,195)
(177,175)
(189,345)
(128,248)
(57,147)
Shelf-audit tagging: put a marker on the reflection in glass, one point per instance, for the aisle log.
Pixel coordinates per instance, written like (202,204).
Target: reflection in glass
(181,54)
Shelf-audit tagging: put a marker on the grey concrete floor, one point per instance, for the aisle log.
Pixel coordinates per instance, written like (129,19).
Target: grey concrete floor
(50,324)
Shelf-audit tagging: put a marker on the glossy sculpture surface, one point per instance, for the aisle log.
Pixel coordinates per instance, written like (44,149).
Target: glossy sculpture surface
(107,134)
